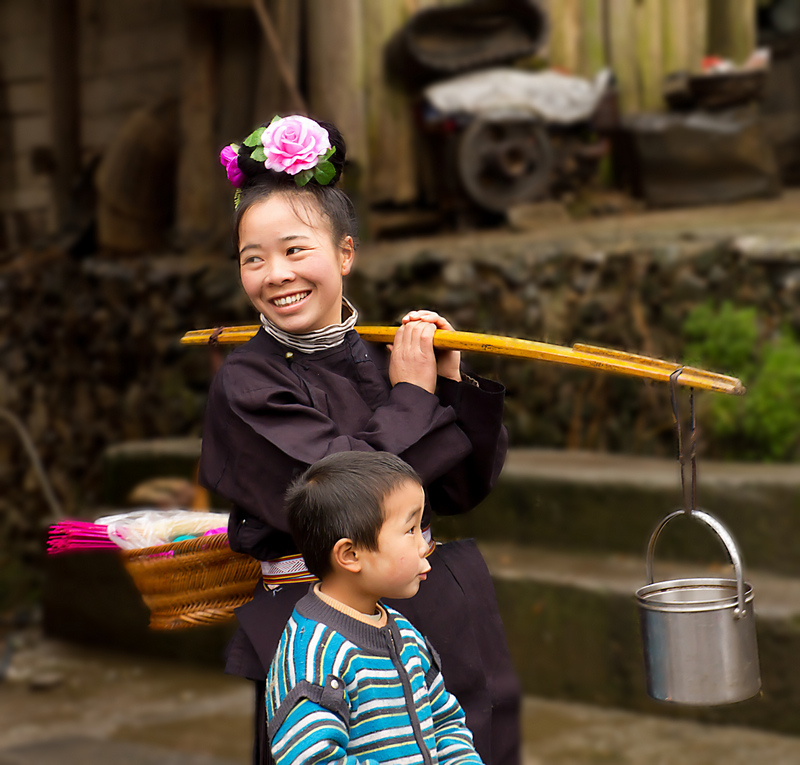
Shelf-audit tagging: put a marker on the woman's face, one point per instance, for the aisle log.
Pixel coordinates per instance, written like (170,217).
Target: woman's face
(291,269)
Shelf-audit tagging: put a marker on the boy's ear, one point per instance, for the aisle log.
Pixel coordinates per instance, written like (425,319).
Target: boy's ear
(345,556)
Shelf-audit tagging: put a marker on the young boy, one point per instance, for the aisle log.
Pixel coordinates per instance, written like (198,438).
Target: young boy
(352,681)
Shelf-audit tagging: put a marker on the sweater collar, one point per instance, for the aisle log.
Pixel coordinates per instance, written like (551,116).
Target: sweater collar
(363,635)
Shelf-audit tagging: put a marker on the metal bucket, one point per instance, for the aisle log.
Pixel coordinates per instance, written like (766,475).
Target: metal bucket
(699,635)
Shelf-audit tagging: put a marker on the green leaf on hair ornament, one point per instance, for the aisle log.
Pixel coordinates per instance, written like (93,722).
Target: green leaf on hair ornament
(258,154)
(303,177)
(324,172)
(254,139)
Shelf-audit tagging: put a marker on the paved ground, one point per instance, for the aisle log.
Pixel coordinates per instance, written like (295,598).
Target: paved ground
(62,704)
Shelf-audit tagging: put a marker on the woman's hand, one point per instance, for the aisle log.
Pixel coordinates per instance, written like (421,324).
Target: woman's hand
(413,360)
(448,362)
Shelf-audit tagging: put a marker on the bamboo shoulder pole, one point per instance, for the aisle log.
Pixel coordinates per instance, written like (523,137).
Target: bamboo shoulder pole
(591,357)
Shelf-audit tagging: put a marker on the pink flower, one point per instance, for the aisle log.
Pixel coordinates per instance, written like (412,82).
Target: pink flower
(228,159)
(293,144)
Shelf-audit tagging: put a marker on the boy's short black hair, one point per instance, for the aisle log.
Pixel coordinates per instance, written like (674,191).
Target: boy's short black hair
(339,497)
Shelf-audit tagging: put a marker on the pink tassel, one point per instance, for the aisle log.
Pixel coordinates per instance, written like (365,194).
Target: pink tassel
(73,536)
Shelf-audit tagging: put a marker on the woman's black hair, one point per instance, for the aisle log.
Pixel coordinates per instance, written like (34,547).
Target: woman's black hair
(331,201)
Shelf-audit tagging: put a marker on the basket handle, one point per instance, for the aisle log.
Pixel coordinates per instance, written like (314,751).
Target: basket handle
(727,541)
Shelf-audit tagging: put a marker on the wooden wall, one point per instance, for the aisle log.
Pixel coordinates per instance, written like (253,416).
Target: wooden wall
(128,55)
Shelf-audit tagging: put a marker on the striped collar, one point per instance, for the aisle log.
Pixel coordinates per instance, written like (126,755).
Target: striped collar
(319,339)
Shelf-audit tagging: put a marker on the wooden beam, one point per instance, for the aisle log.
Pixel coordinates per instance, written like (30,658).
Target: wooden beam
(282,64)
(63,86)
(272,95)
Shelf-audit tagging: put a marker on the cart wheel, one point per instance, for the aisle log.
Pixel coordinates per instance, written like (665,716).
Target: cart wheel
(504,163)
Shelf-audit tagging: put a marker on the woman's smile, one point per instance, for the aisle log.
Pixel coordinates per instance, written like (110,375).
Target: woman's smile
(288,300)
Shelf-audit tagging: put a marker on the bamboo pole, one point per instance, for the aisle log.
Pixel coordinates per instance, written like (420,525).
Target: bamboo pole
(676,39)
(621,32)
(648,53)
(732,28)
(389,114)
(591,43)
(563,48)
(698,33)
(591,357)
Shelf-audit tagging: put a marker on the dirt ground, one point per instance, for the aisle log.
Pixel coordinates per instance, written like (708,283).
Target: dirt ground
(62,703)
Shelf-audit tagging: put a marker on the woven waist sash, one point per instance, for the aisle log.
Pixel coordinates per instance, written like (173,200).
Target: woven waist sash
(291,569)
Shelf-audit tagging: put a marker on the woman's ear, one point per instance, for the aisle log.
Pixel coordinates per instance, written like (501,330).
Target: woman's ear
(348,250)
(345,556)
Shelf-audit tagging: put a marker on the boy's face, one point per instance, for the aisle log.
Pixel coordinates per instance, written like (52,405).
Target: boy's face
(399,565)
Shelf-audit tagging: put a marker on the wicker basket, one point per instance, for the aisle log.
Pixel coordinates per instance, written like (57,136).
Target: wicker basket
(195,582)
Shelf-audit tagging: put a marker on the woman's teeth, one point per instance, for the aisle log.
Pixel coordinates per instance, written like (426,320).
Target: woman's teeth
(284,301)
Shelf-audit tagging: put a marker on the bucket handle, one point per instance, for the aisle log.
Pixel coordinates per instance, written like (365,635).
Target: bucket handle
(727,540)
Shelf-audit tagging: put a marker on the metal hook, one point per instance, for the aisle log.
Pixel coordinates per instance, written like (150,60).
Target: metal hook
(690,505)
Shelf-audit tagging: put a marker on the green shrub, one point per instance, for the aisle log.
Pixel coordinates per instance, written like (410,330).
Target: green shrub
(764,424)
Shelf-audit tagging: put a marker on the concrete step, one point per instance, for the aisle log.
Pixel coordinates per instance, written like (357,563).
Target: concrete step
(573,500)
(588,501)
(573,631)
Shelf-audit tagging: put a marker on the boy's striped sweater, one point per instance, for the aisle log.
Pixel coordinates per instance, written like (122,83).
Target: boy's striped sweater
(342,691)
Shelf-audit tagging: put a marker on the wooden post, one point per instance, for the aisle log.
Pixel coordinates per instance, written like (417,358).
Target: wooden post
(198,165)
(63,100)
(389,126)
(732,28)
(563,48)
(335,61)
(648,54)
(621,32)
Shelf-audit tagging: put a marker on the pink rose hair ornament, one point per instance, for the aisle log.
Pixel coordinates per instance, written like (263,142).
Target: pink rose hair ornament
(295,145)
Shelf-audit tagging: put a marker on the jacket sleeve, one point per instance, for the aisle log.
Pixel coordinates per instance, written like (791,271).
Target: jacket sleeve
(479,415)
(310,734)
(454,745)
